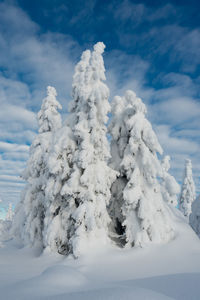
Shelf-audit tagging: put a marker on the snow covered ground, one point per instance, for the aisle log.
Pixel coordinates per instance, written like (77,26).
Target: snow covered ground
(170,271)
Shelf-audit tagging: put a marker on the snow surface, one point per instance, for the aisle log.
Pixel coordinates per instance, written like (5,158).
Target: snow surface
(170,271)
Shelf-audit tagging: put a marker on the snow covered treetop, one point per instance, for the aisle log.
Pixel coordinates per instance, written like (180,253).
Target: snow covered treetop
(135,102)
(97,63)
(51,91)
(88,88)
(99,47)
(88,70)
(188,167)
(48,117)
(85,56)
(129,115)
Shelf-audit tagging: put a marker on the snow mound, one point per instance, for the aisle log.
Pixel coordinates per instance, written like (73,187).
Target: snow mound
(116,293)
(170,271)
(63,276)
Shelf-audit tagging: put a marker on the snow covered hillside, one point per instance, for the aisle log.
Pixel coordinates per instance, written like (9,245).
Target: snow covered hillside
(170,271)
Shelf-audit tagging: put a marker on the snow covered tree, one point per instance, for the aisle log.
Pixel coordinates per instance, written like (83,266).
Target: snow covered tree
(194,218)
(10,213)
(141,211)
(29,217)
(187,195)
(88,188)
(169,187)
(57,209)
(118,145)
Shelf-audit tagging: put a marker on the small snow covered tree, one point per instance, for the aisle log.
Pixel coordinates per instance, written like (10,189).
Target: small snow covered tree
(194,218)
(169,187)
(10,213)
(29,217)
(57,209)
(187,195)
(88,188)
(142,212)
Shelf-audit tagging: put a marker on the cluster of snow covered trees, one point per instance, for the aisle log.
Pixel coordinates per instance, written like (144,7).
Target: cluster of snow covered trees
(79,193)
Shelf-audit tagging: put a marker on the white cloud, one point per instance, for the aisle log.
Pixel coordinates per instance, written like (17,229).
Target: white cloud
(29,62)
(173,144)
(127,10)
(14,113)
(138,13)
(176,110)
(11,178)
(124,72)
(10,147)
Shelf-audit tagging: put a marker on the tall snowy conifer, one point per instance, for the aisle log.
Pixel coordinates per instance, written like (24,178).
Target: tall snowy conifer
(188,194)
(141,210)
(194,218)
(169,187)
(59,167)
(29,217)
(89,185)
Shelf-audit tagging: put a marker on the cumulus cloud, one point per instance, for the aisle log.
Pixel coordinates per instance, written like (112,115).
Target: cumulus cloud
(12,147)
(30,60)
(176,110)
(124,72)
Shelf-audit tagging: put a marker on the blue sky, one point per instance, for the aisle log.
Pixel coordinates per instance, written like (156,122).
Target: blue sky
(152,47)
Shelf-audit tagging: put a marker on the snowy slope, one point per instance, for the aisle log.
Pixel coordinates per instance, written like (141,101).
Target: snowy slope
(170,271)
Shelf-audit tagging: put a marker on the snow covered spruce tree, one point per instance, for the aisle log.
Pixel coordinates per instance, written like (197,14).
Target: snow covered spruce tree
(187,195)
(142,212)
(169,187)
(88,188)
(29,217)
(194,218)
(10,213)
(59,165)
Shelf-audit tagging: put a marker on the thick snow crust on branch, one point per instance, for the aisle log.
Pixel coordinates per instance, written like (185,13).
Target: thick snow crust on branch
(141,209)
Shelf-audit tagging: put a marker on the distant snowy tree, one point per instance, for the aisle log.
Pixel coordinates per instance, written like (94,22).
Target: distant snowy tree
(29,219)
(5,225)
(169,187)
(139,206)
(10,213)
(188,194)
(88,188)
(194,218)
(57,208)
